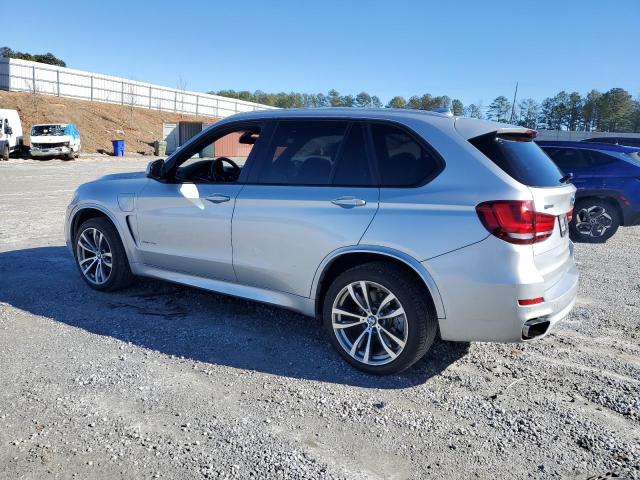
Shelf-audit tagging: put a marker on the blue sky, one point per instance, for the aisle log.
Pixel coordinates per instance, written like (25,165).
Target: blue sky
(472,50)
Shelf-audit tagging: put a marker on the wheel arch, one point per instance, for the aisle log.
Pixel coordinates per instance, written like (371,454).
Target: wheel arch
(347,257)
(88,212)
(610,197)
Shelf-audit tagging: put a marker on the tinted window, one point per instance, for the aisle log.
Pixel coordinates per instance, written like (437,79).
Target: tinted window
(568,159)
(352,168)
(609,140)
(524,161)
(631,142)
(401,160)
(599,158)
(303,153)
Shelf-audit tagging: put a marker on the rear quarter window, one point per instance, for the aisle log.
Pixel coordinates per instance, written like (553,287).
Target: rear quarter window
(402,161)
(522,160)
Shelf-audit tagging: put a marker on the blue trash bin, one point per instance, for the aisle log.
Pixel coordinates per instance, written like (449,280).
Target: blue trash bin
(118,148)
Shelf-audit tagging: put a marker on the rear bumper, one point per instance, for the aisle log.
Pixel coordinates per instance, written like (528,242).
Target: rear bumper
(480,286)
(631,218)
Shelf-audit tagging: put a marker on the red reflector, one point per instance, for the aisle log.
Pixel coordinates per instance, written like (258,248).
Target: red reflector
(531,301)
(570,215)
(516,221)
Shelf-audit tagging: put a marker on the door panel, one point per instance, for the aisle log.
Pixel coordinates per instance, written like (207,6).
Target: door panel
(186,227)
(281,233)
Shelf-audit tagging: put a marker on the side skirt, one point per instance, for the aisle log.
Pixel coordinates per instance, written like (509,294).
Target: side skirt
(292,302)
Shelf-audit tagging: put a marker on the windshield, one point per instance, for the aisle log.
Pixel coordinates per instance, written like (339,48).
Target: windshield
(45,130)
(634,157)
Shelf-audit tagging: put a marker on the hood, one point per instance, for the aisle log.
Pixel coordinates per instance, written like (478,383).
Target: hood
(122,176)
(50,138)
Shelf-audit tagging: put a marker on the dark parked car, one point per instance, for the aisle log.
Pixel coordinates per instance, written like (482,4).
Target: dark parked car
(608,181)
(625,141)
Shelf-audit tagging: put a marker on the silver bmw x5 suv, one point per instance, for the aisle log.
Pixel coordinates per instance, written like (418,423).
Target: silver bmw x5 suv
(392,226)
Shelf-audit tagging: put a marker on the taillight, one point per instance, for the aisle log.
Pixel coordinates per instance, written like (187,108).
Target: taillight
(516,221)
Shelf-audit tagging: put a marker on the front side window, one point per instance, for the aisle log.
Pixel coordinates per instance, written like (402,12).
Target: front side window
(401,160)
(220,161)
(303,153)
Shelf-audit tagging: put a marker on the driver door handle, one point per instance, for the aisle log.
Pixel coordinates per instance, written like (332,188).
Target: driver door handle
(348,202)
(217,198)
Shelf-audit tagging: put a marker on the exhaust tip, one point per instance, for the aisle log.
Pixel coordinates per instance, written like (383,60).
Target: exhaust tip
(534,328)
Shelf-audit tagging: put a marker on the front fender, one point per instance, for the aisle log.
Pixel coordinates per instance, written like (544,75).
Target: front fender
(119,221)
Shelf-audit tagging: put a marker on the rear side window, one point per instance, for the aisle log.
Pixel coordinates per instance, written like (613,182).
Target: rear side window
(401,160)
(524,161)
(568,159)
(303,153)
(599,158)
(352,167)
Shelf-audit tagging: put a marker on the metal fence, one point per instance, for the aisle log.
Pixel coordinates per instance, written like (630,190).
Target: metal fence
(564,135)
(37,78)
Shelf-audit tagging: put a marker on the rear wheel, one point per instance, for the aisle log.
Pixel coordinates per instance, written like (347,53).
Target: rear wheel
(5,152)
(378,319)
(594,221)
(100,255)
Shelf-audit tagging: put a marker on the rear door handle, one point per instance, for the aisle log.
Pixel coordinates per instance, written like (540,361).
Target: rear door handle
(217,198)
(348,202)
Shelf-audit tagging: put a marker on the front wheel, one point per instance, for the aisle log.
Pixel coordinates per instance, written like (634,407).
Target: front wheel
(100,255)
(594,221)
(378,318)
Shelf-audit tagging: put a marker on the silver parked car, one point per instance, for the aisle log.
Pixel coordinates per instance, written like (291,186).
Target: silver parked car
(392,226)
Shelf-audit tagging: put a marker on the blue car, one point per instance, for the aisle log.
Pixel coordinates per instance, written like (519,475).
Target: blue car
(608,181)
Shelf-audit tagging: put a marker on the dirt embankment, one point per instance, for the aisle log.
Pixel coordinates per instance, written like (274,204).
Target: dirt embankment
(99,123)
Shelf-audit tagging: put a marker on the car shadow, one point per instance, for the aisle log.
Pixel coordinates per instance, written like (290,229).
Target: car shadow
(185,322)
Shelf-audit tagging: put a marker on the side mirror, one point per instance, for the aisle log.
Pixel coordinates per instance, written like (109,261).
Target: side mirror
(155,170)
(8,130)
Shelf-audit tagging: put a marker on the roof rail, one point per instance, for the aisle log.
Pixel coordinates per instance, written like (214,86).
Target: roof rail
(443,110)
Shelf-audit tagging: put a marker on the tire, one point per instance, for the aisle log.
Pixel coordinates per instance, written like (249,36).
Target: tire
(5,152)
(594,220)
(112,278)
(69,156)
(419,322)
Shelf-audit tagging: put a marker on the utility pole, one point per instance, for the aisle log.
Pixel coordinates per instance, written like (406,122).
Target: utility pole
(513,105)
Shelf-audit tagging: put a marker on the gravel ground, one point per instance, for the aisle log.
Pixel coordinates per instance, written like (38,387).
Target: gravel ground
(163,381)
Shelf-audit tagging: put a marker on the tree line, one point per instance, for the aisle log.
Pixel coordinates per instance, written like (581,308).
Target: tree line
(48,58)
(612,111)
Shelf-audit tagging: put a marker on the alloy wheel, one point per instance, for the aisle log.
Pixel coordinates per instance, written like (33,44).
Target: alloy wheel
(94,257)
(593,221)
(369,323)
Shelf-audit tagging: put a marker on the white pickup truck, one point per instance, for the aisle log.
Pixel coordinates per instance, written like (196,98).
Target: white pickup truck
(55,140)
(10,133)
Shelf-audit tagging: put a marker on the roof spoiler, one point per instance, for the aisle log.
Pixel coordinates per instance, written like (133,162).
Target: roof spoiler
(516,134)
